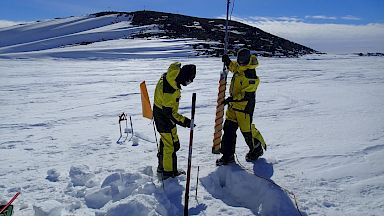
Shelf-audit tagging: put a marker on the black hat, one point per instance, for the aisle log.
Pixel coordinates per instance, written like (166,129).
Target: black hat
(186,75)
(243,56)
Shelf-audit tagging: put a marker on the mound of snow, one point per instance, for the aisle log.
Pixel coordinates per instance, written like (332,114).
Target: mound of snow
(99,198)
(140,205)
(236,187)
(80,175)
(118,186)
(136,194)
(48,208)
(53,175)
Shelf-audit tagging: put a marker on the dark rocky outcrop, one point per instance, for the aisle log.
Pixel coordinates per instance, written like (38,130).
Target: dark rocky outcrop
(212,31)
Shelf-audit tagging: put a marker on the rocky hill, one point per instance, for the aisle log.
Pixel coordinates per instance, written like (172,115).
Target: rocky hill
(212,31)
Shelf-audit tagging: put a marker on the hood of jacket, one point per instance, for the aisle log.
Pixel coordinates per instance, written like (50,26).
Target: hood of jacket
(253,63)
(172,73)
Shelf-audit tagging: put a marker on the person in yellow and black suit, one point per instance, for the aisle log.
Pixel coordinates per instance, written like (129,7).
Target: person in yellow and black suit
(166,116)
(241,105)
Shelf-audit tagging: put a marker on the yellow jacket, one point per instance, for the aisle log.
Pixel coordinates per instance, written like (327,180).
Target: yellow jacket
(167,96)
(244,84)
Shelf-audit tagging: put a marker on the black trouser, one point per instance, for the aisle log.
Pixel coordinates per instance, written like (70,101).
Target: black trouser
(234,120)
(228,143)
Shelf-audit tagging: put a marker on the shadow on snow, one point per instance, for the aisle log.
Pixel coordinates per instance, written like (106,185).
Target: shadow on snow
(238,188)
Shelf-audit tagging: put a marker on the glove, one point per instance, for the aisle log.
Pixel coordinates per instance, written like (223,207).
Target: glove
(227,100)
(225,58)
(187,123)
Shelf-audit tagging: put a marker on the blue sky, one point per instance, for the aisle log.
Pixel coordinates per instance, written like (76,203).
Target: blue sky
(336,11)
(297,20)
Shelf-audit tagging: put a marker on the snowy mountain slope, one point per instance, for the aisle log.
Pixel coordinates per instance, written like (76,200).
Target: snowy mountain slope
(52,28)
(48,37)
(116,49)
(68,37)
(55,33)
(181,26)
(321,116)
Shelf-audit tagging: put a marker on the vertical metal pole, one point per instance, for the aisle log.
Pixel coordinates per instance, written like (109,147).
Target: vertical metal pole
(190,155)
(154,131)
(197,180)
(130,120)
(158,150)
(221,96)
(226,30)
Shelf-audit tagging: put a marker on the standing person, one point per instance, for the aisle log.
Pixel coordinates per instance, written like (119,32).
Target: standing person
(166,116)
(241,104)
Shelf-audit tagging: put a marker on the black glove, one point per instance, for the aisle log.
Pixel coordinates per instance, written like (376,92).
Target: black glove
(227,100)
(187,123)
(225,58)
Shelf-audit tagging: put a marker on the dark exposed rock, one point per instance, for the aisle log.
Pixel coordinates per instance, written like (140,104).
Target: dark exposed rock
(212,31)
(370,54)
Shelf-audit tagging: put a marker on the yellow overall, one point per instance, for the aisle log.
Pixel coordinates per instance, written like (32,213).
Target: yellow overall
(241,105)
(166,116)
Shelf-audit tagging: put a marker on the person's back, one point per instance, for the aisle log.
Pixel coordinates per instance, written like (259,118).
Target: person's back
(167,88)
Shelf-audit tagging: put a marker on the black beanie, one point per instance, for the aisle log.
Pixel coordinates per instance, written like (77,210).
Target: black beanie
(187,73)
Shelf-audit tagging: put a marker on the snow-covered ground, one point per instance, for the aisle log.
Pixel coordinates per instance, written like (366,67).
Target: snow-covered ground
(321,116)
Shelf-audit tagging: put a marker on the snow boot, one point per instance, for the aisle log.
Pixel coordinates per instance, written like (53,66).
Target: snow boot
(179,172)
(172,174)
(159,169)
(224,161)
(255,153)
(251,157)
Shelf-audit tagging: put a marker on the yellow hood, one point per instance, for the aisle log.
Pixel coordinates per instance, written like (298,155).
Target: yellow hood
(253,63)
(172,73)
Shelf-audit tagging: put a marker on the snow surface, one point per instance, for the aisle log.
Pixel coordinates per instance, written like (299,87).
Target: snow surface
(322,118)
